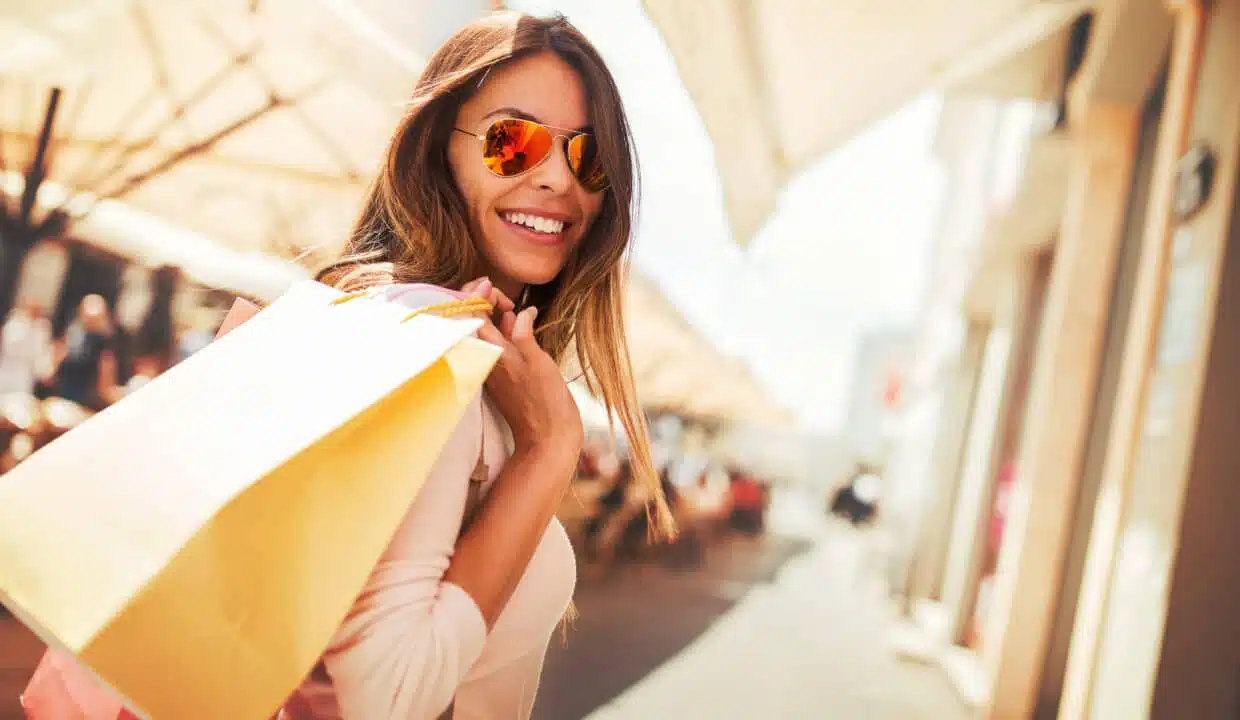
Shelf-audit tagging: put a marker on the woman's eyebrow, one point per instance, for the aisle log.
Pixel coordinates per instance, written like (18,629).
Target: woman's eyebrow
(511,112)
(518,113)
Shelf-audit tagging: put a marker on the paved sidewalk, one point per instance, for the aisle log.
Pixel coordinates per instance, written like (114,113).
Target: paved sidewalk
(758,636)
(809,645)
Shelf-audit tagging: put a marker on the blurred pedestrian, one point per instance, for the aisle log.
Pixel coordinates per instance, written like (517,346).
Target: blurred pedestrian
(85,362)
(195,334)
(609,504)
(25,349)
(145,369)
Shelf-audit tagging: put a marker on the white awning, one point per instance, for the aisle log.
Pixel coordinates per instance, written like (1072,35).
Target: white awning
(677,370)
(778,83)
(257,124)
(152,242)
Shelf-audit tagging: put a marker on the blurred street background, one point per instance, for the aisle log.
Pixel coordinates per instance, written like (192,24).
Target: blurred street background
(933,314)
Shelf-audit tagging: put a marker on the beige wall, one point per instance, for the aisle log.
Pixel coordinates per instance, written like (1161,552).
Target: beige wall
(983,145)
(1101,419)
(935,531)
(1198,672)
(976,470)
(1168,644)
(998,409)
(965,145)
(1064,378)
(1126,50)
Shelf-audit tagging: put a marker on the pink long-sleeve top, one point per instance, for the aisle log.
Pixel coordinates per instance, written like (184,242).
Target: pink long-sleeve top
(413,645)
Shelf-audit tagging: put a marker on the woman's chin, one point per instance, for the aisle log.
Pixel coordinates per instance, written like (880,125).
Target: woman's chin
(534,273)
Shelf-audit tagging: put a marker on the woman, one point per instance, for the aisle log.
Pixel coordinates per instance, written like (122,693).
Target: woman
(511,176)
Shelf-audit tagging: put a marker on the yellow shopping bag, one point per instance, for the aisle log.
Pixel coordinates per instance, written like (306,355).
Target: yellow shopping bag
(197,544)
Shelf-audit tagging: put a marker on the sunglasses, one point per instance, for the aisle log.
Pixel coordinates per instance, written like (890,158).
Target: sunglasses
(512,147)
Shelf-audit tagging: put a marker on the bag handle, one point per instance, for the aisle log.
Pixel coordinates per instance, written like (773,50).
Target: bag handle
(451,308)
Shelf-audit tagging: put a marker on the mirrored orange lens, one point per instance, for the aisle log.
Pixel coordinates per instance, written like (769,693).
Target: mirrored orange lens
(514,146)
(585,162)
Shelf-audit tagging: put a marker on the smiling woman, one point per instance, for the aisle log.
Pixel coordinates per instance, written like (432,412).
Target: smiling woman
(527,229)
(511,176)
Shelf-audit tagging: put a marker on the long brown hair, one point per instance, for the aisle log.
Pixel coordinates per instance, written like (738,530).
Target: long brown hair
(414,227)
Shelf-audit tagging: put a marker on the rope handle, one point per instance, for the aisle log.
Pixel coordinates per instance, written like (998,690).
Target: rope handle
(451,308)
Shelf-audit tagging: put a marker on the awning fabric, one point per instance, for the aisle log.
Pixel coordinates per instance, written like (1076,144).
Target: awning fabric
(149,241)
(676,370)
(256,124)
(283,109)
(778,83)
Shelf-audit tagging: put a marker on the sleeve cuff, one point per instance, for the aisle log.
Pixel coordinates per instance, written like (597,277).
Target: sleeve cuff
(464,613)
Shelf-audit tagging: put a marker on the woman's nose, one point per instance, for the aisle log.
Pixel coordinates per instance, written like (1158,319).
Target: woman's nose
(554,174)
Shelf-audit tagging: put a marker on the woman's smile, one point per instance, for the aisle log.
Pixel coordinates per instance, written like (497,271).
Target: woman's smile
(537,226)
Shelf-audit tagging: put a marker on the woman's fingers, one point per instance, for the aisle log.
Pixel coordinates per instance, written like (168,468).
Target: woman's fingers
(523,330)
(507,322)
(500,301)
(523,327)
(489,333)
(510,357)
(483,289)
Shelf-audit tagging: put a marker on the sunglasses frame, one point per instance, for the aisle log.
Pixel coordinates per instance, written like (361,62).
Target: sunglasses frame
(556,133)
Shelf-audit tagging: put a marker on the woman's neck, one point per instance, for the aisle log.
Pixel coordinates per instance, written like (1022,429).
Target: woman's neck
(511,288)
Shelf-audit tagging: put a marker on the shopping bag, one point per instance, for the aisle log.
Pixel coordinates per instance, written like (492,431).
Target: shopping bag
(240,311)
(61,688)
(197,544)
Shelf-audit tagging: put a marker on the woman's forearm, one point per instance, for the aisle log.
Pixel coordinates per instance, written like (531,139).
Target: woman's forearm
(492,554)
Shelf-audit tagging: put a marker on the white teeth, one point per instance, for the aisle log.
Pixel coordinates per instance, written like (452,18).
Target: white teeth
(535,222)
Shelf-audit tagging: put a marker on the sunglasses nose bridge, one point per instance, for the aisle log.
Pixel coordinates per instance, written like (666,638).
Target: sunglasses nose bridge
(557,163)
(562,143)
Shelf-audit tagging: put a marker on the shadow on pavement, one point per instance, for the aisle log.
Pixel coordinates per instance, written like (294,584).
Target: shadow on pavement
(641,617)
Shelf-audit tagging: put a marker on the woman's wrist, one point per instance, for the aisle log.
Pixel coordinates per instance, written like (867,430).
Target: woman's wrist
(553,454)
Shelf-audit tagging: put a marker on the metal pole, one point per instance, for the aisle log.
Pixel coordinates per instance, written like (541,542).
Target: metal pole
(37,171)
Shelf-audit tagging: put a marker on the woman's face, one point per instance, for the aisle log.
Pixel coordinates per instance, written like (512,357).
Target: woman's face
(545,89)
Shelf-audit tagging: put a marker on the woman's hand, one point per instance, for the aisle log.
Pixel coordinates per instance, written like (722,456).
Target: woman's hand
(493,552)
(485,289)
(527,386)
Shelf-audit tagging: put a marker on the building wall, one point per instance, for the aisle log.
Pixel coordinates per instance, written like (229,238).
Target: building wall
(882,357)
(983,144)
(1169,638)
(1100,423)
(964,144)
